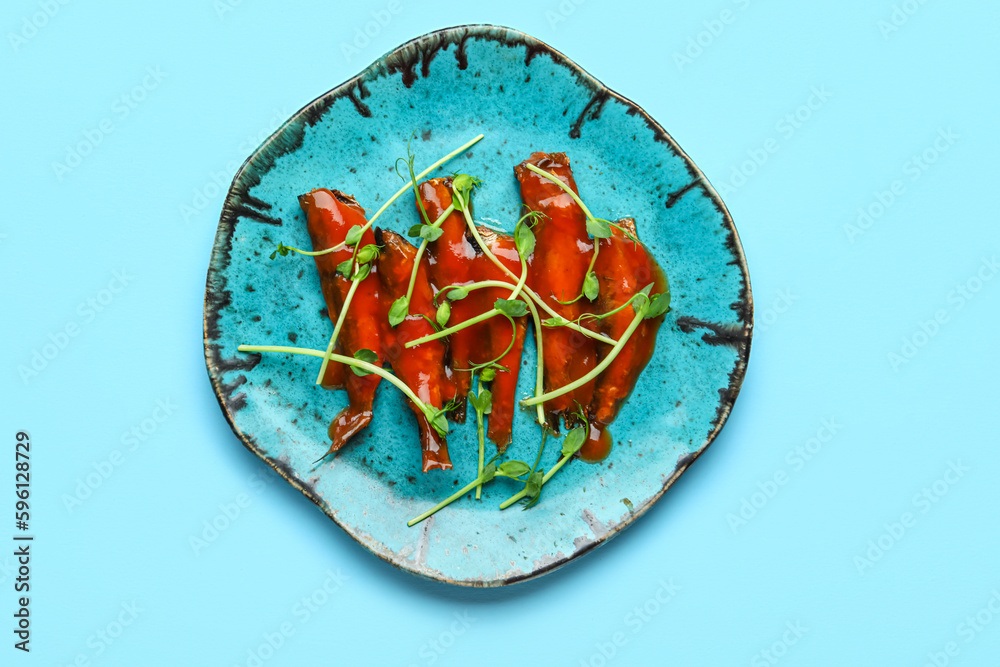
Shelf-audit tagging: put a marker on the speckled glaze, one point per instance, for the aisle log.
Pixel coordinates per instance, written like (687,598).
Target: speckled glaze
(524,96)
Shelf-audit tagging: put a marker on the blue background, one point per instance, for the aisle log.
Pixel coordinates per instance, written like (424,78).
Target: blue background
(826,552)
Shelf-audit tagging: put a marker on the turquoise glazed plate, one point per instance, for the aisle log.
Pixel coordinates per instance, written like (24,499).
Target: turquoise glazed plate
(448,86)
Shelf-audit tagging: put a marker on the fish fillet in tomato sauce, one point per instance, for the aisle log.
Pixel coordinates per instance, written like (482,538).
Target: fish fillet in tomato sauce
(452,258)
(456,259)
(623,268)
(504,385)
(329,215)
(556,271)
(421,368)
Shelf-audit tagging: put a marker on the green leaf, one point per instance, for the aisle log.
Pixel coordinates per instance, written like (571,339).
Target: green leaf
(274,254)
(440,424)
(398,311)
(443,314)
(574,441)
(365,355)
(557,321)
(533,488)
(599,229)
(415,230)
(367,253)
(591,286)
(658,306)
(515,308)
(489,472)
(344,268)
(474,401)
(524,239)
(513,469)
(362,272)
(485,401)
(353,235)
(462,186)
(430,233)
(457,293)
(488,374)
(642,298)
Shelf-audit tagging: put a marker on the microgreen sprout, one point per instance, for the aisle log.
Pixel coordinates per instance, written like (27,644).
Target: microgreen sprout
(509,469)
(366,361)
(399,193)
(482,403)
(533,487)
(531,294)
(356,269)
(644,309)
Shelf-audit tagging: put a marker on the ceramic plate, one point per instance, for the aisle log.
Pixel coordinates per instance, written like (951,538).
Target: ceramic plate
(449,86)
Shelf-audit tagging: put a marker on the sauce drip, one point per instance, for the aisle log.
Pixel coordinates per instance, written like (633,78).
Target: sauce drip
(598,445)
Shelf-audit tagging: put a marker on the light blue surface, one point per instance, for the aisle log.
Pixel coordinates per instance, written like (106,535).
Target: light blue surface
(837,310)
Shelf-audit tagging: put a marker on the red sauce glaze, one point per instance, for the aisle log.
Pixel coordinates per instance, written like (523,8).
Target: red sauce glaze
(451,260)
(623,268)
(504,385)
(422,368)
(455,259)
(597,445)
(556,270)
(329,214)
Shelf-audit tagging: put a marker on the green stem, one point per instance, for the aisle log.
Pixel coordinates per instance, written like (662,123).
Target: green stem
(591,316)
(569,190)
(527,290)
(336,330)
(540,366)
(482,445)
(583,207)
(545,478)
(555,393)
(350,361)
(399,193)
(447,501)
(420,252)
